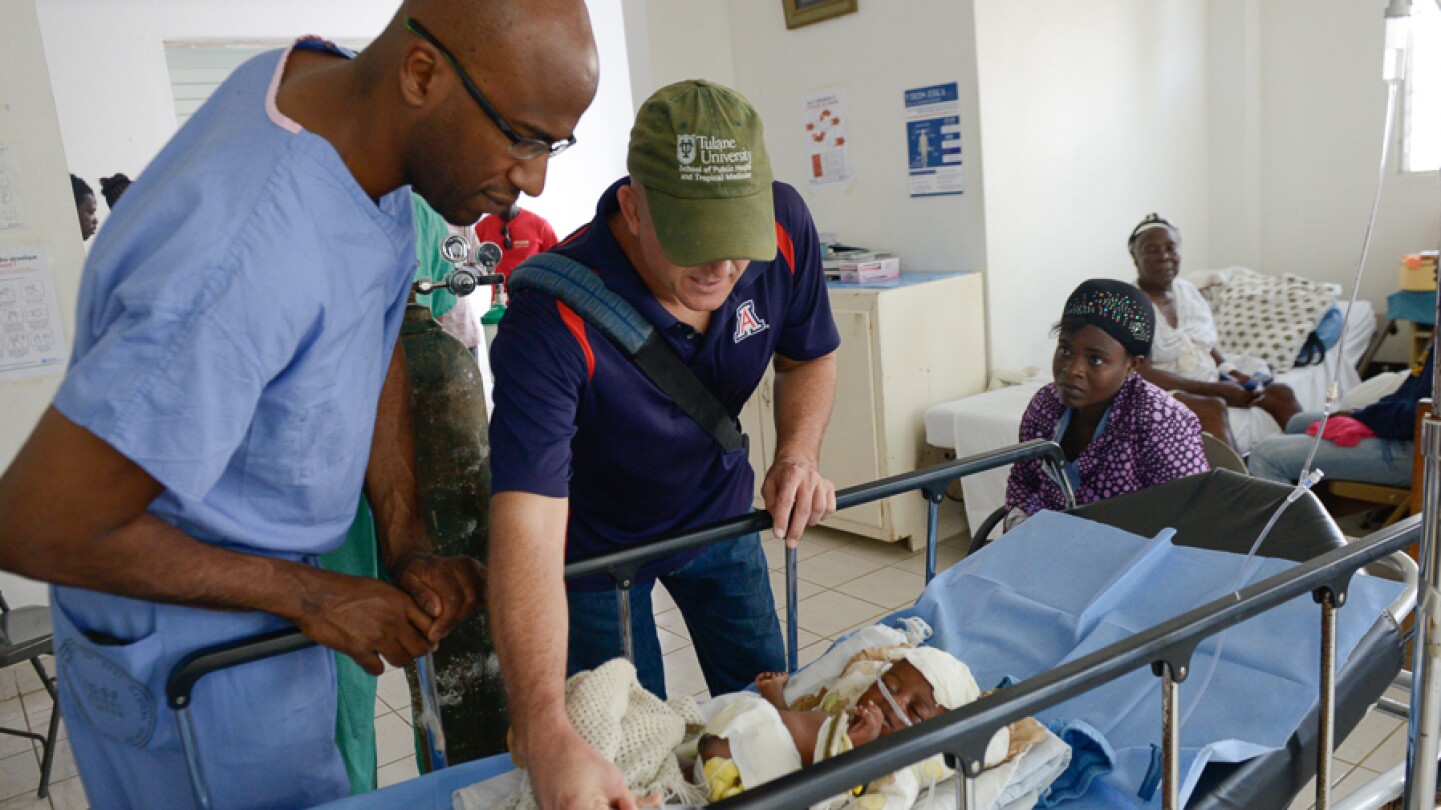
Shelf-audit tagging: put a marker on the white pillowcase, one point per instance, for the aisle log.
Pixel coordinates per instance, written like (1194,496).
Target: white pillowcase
(1267,317)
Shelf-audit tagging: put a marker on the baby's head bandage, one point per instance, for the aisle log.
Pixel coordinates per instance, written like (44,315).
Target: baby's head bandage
(951,681)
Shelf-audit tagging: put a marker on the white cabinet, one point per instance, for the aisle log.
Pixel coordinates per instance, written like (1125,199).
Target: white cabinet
(904,347)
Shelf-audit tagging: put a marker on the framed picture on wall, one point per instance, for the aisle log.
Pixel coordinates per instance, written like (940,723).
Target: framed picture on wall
(805,12)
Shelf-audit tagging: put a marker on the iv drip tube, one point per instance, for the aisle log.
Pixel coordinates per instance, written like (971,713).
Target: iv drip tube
(1393,72)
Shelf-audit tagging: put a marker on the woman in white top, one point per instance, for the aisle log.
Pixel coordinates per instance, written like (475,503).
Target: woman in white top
(1184,359)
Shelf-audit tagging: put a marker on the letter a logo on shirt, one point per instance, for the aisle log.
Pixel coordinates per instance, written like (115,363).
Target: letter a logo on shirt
(748,322)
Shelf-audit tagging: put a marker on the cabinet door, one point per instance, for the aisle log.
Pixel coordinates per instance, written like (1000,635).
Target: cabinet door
(851,454)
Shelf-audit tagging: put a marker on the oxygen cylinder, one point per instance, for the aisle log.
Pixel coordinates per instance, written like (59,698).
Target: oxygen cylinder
(452,461)
(490,321)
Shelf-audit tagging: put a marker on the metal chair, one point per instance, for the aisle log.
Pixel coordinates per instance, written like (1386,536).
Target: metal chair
(25,635)
(1222,456)
(982,535)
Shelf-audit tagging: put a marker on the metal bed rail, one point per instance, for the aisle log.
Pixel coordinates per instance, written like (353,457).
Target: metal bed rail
(962,734)
(622,567)
(1391,784)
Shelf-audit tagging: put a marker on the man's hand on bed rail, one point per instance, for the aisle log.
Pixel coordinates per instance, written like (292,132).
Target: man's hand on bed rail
(794,490)
(798,496)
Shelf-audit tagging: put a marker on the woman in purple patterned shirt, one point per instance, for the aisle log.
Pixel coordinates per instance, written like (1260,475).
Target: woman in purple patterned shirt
(1119,432)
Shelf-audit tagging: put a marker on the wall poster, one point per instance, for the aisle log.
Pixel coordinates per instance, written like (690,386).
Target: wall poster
(31,343)
(823,117)
(933,140)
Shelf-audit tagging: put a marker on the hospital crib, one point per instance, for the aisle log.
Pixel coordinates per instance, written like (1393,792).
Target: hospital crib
(1218,510)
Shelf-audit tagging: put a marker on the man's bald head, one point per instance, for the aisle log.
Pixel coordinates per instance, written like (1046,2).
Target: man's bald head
(514,35)
(535,62)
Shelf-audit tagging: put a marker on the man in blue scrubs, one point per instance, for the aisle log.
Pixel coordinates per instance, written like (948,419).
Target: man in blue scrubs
(588,456)
(235,381)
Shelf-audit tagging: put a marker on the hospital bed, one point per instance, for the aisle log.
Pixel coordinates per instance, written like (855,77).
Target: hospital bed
(990,420)
(1217,510)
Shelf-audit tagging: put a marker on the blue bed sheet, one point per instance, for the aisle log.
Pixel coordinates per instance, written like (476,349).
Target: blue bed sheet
(429,792)
(1059,587)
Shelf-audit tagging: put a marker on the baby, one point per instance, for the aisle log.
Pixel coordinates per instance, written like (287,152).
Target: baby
(754,739)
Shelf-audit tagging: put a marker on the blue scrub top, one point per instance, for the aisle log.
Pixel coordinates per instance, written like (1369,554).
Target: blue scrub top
(235,321)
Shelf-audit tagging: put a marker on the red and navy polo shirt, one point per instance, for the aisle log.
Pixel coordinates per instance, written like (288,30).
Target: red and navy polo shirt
(575,419)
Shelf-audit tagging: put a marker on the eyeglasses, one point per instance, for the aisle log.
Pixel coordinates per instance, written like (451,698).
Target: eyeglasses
(521,148)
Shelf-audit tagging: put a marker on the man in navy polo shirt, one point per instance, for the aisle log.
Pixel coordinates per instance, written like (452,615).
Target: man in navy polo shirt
(588,456)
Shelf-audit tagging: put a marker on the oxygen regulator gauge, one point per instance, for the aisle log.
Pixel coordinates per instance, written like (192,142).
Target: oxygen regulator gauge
(464,278)
(455,249)
(488,255)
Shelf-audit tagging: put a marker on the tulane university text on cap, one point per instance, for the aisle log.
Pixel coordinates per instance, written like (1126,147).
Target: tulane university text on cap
(698,150)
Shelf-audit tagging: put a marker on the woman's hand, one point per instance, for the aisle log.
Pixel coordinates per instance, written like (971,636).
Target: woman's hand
(1236,396)
(1241,379)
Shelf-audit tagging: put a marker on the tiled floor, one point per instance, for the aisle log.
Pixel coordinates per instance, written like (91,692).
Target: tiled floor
(24,704)
(845,582)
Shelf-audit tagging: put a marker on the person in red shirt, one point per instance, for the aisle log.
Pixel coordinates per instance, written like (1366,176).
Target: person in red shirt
(520,234)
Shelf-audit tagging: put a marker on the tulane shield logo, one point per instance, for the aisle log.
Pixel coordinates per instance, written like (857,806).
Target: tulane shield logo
(685,148)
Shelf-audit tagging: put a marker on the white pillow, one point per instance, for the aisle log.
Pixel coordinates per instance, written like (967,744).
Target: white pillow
(1369,392)
(1268,318)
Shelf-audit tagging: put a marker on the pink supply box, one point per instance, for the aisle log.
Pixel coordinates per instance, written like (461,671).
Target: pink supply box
(881,268)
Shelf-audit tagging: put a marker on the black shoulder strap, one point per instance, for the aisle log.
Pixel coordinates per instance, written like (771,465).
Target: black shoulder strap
(579,288)
(1313,351)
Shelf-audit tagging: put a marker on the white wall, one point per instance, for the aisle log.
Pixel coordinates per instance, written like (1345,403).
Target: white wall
(674,40)
(577,178)
(1318,142)
(874,55)
(1253,125)
(1077,119)
(107,64)
(28,126)
(1234,30)
(1093,114)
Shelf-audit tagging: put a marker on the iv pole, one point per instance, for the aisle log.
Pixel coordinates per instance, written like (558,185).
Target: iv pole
(1425,716)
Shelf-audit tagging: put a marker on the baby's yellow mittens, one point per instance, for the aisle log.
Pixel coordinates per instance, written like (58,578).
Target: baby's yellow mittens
(722,778)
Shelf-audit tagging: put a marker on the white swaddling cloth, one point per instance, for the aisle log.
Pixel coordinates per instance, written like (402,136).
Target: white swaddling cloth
(1013,785)
(624,723)
(761,747)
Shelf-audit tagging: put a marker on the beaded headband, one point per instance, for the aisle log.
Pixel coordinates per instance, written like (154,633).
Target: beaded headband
(1116,308)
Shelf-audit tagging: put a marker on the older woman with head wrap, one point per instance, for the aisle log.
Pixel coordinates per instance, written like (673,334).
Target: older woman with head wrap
(1119,432)
(1184,359)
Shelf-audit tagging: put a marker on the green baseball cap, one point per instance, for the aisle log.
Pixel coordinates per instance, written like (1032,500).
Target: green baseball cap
(699,152)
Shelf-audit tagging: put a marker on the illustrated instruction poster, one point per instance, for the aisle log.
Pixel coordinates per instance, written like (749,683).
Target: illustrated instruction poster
(933,138)
(824,120)
(31,343)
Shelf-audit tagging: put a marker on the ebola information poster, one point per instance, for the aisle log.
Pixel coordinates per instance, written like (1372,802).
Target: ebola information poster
(933,138)
(823,121)
(31,343)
